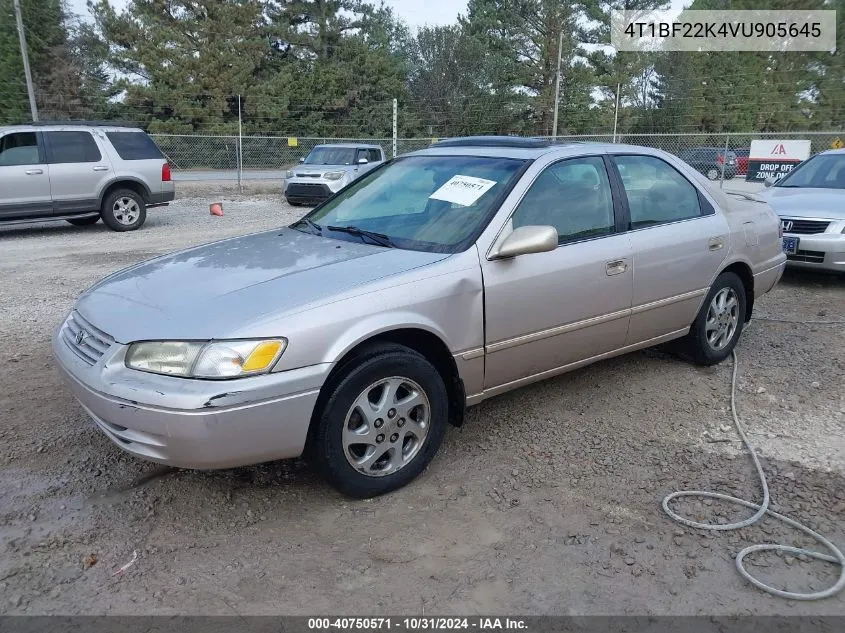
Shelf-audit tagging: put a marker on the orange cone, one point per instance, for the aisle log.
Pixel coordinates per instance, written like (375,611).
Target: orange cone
(216,208)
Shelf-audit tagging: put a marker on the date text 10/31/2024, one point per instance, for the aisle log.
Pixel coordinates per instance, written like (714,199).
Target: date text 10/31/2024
(416,623)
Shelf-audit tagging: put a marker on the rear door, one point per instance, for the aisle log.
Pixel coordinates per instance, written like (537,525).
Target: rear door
(78,170)
(24,177)
(679,242)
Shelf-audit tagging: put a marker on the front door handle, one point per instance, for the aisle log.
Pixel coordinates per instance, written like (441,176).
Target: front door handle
(101,168)
(34,172)
(716,244)
(617,267)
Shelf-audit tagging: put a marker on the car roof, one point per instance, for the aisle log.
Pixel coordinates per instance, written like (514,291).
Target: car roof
(489,150)
(65,125)
(833,151)
(350,145)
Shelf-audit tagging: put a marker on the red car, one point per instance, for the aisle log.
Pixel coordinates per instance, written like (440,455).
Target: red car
(742,154)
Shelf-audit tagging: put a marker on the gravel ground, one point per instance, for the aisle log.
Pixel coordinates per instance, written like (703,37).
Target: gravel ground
(547,500)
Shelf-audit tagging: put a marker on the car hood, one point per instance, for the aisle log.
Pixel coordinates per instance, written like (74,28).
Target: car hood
(806,203)
(219,289)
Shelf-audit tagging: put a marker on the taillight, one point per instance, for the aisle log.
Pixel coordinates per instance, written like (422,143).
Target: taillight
(165,172)
(720,159)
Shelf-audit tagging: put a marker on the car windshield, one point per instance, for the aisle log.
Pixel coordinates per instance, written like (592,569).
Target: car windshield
(331,156)
(823,171)
(427,203)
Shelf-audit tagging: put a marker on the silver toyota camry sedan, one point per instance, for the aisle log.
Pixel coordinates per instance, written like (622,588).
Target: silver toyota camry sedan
(442,278)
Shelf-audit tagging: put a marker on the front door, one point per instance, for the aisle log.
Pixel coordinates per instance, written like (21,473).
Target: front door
(546,311)
(24,177)
(678,241)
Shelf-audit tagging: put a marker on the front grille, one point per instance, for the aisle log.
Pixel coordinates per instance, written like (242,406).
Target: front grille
(309,175)
(811,257)
(307,190)
(92,343)
(806,227)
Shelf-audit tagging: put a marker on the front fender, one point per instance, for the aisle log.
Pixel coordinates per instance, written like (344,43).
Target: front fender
(374,325)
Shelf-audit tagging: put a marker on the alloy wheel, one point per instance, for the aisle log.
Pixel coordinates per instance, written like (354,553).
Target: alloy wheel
(386,426)
(722,319)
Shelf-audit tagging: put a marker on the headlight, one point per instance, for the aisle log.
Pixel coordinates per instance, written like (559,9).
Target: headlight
(289,173)
(219,359)
(334,175)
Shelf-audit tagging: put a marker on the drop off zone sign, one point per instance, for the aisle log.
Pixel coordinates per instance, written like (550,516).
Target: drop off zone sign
(775,158)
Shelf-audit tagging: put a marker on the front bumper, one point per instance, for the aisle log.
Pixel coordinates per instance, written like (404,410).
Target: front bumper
(193,423)
(822,251)
(311,190)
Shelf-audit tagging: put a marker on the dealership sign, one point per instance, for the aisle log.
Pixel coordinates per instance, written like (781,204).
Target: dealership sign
(775,159)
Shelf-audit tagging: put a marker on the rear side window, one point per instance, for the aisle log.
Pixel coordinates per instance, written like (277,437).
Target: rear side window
(374,156)
(19,149)
(134,145)
(656,192)
(72,147)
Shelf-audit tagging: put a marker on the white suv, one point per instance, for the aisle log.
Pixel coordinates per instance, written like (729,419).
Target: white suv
(81,173)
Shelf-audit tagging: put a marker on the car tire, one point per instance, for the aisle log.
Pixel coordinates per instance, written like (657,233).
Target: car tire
(404,416)
(712,174)
(719,322)
(84,221)
(124,210)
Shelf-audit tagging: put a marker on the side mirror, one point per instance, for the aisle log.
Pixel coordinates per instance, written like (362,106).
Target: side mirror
(363,161)
(768,182)
(526,240)
(302,160)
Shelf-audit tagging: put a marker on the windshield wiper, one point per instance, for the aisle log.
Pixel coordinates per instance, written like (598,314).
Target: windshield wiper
(379,238)
(311,225)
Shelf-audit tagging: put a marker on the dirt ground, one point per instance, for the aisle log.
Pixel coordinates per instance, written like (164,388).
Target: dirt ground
(547,500)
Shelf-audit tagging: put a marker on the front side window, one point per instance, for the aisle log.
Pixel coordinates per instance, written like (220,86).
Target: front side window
(331,156)
(821,171)
(573,196)
(20,148)
(657,193)
(72,147)
(429,203)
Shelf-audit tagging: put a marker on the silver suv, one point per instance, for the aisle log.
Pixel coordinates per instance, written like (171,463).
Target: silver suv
(329,168)
(81,173)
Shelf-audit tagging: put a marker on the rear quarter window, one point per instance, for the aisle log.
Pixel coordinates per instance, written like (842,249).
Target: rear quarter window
(134,145)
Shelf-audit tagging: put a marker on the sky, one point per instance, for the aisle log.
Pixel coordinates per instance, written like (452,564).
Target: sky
(414,12)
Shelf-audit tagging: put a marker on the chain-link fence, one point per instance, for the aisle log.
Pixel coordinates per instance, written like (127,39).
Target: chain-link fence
(268,156)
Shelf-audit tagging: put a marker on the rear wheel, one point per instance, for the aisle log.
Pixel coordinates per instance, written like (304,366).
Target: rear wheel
(382,422)
(124,210)
(717,328)
(84,221)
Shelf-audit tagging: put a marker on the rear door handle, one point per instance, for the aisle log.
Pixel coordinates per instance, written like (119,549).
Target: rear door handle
(101,168)
(617,267)
(716,243)
(34,172)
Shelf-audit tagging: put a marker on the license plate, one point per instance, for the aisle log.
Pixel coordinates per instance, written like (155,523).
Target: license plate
(790,245)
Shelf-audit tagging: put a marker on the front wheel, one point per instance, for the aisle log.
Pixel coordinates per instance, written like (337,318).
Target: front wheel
(717,328)
(382,422)
(124,210)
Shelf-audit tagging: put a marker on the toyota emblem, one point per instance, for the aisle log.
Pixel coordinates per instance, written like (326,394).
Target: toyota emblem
(80,336)
(787,225)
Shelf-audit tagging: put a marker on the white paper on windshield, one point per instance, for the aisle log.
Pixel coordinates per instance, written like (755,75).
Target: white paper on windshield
(463,190)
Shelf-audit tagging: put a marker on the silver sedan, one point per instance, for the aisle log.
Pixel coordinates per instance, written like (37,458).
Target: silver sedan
(440,279)
(811,204)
